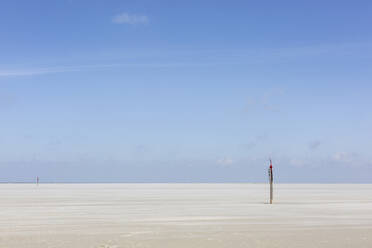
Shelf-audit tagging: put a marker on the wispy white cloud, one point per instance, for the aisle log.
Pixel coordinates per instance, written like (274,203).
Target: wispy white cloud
(225,161)
(345,157)
(81,68)
(34,71)
(125,18)
(196,58)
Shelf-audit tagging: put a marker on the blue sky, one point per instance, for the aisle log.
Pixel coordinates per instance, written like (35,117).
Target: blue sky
(185,91)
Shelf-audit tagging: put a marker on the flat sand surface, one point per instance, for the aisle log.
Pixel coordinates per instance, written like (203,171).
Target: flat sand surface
(185,215)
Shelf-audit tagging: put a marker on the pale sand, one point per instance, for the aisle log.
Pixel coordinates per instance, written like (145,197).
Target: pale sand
(184,215)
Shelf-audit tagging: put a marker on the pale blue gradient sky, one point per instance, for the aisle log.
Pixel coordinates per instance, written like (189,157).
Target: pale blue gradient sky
(185,91)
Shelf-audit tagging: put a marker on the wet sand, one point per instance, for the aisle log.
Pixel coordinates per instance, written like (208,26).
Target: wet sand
(185,215)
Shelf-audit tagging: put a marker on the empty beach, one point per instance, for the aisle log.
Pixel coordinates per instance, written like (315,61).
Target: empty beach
(185,215)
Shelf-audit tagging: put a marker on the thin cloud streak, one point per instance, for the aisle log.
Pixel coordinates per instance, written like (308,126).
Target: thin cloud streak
(228,57)
(225,161)
(132,19)
(50,70)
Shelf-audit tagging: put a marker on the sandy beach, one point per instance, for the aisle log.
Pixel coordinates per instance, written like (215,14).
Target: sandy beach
(185,215)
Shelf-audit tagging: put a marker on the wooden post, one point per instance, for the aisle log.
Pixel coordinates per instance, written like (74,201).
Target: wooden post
(271,178)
